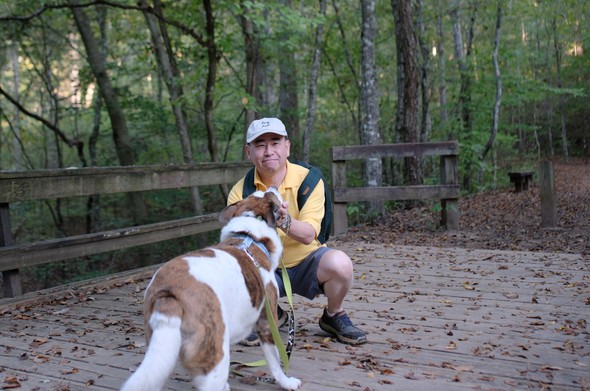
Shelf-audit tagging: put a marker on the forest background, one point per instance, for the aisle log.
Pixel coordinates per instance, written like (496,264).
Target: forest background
(109,83)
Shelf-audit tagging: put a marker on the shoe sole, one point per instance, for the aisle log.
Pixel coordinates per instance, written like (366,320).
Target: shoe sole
(350,341)
(249,343)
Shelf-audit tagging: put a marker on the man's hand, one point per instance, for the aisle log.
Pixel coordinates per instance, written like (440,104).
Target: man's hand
(284,217)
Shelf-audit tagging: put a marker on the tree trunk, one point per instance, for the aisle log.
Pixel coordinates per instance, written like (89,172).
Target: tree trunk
(252,49)
(550,112)
(370,99)
(212,61)
(312,91)
(496,112)
(409,131)
(16,142)
(118,122)
(465,88)
(343,82)
(288,98)
(51,110)
(425,123)
(399,114)
(171,75)
(169,71)
(558,55)
(444,116)
(93,202)
(537,141)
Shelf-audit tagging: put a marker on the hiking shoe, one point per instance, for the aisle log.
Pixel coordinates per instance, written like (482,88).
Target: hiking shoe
(342,328)
(254,340)
(251,340)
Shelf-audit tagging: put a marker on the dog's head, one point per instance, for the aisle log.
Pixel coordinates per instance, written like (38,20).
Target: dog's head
(260,205)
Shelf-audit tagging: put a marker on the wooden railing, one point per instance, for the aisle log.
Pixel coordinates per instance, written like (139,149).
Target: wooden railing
(53,184)
(447,191)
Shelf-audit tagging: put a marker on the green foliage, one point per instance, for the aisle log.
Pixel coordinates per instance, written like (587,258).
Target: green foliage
(56,83)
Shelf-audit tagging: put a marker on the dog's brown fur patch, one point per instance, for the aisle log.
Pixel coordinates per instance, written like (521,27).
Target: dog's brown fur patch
(205,253)
(174,292)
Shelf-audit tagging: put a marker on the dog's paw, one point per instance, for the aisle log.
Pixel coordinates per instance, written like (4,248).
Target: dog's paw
(290,383)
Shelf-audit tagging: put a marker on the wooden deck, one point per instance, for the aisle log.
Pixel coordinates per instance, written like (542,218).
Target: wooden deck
(436,319)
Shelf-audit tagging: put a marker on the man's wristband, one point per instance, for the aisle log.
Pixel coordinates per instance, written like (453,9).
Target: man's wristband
(287,223)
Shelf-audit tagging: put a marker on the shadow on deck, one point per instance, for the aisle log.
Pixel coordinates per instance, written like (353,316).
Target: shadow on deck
(448,319)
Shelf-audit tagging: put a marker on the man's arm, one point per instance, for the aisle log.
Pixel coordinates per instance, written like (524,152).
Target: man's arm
(306,227)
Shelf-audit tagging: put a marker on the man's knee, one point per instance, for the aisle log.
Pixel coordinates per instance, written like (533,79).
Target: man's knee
(338,262)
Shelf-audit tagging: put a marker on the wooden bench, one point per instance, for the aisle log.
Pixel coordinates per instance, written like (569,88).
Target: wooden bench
(521,180)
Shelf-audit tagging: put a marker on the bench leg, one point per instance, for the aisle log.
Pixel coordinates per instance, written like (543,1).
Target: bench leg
(340,222)
(450,214)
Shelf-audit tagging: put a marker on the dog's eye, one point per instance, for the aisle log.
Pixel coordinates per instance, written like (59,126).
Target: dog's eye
(259,217)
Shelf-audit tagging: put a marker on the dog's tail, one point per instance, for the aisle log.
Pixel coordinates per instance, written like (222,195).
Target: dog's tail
(161,356)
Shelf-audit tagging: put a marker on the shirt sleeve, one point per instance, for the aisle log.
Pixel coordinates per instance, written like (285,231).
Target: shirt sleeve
(235,193)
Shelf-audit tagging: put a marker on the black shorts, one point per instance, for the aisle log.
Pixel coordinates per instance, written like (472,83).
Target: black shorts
(304,277)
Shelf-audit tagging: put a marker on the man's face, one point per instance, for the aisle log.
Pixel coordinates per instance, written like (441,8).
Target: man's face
(269,152)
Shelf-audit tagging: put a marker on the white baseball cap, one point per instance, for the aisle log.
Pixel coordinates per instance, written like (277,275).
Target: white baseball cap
(265,125)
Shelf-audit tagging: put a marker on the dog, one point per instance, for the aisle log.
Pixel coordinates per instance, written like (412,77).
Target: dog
(198,304)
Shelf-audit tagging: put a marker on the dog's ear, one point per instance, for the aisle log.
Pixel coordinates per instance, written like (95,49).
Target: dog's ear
(229,212)
(274,205)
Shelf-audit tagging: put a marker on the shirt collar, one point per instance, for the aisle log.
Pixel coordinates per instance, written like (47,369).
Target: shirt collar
(289,181)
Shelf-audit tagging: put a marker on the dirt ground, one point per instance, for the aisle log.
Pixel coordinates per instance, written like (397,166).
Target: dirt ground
(500,219)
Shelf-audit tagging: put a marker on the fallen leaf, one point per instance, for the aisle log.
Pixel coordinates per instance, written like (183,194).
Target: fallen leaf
(38,342)
(10,382)
(69,371)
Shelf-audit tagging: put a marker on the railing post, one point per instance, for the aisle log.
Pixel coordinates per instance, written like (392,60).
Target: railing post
(340,225)
(547,182)
(450,207)
(11,278)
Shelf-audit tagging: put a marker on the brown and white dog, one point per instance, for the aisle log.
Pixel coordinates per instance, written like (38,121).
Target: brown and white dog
(198,304)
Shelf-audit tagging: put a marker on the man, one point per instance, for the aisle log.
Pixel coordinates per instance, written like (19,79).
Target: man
(313,268)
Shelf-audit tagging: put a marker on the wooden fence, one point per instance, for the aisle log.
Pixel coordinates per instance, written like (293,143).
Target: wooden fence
(447,191)
(54,184)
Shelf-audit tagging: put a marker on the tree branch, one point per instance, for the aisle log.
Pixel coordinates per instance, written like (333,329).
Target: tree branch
(79,144)
(187,30)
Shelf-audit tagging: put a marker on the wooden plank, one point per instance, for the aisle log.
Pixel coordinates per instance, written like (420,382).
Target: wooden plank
(421,192)
(352,152)
(10,277)
(30,254)
(340,223)
(450,207)
(455,319)
(49,184)
(548,194)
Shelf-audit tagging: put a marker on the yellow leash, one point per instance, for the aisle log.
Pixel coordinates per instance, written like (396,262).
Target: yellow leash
(284,353)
